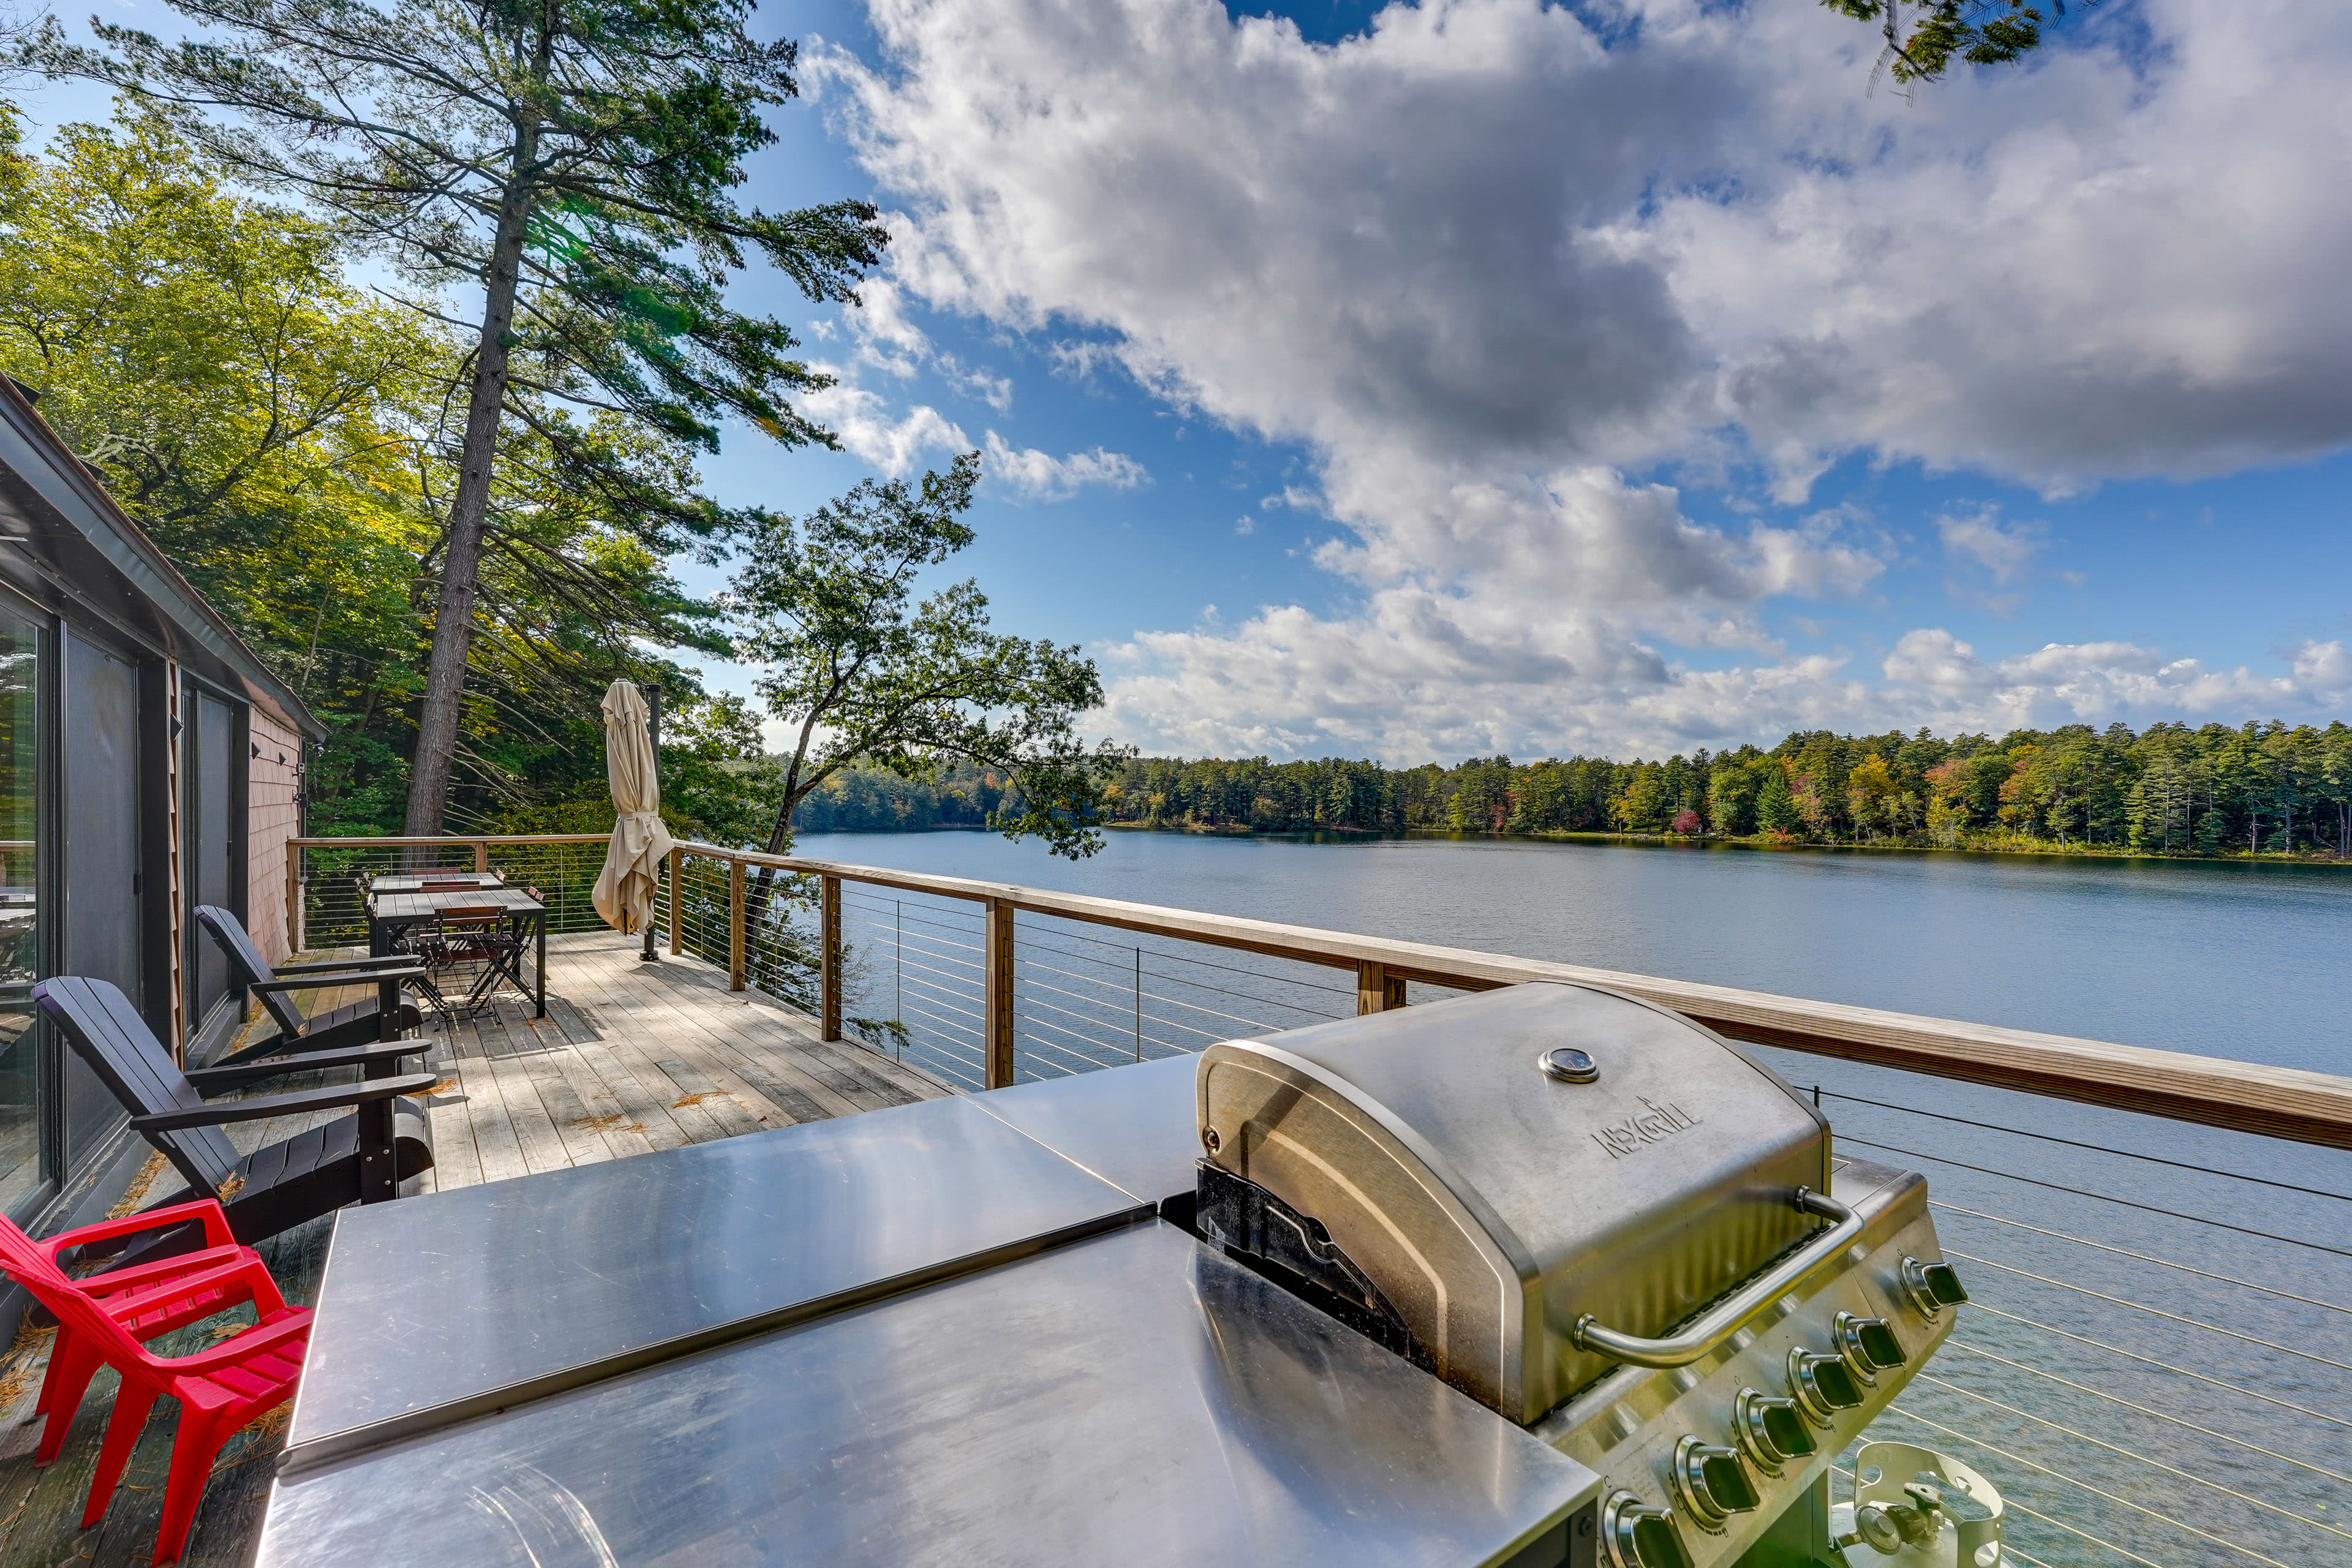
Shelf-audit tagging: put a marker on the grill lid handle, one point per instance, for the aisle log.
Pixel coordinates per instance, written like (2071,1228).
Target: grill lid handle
(1722,1320)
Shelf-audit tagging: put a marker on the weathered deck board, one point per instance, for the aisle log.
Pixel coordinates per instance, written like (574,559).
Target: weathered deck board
(632,1058)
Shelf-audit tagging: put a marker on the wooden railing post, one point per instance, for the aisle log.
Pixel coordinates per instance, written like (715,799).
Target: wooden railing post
(1378,991)
(481,854)
(677,883)
(829,956)
(996,1010)
(293,899)
(734,924)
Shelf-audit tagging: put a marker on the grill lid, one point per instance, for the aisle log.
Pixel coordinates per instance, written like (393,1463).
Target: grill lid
(1498,1167)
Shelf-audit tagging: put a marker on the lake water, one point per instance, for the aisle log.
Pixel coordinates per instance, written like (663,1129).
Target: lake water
(2236,960)
(2243,961)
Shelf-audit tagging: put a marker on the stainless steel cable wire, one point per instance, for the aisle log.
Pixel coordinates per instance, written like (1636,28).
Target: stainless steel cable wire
(2137,1459)
(2097,1148)
(1203,962)
(2152,1311)
(941,996)
(2143,1410)
(1214,1013)
(2144,1258)
(2070,1480)
(2103,1197)
(2162,1365)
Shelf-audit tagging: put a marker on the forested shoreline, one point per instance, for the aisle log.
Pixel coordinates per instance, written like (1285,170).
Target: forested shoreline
(2260,789)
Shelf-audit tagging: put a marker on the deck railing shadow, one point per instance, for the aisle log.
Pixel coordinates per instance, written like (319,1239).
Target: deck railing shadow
(2156,1363)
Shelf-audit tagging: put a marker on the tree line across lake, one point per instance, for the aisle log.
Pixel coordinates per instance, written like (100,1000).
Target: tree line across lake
(2260,788)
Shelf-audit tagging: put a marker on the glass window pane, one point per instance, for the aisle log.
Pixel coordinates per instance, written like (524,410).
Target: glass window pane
(20,1103)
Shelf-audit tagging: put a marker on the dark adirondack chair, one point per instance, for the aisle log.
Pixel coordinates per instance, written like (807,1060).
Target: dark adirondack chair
(361,1158)
(354,1025)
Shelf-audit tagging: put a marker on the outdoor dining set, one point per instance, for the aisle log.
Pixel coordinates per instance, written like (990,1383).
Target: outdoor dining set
(458,939)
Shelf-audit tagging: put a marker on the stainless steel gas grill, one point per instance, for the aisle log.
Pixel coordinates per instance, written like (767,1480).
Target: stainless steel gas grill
(1136,1317)
(1600,1220)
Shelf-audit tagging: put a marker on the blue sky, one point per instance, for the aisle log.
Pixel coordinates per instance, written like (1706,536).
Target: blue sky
(1428,380)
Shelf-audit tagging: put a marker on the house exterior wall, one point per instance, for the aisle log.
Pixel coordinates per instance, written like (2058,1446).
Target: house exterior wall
(272,816)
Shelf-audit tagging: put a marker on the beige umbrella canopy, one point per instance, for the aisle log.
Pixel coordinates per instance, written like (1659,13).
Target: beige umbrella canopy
(625,887)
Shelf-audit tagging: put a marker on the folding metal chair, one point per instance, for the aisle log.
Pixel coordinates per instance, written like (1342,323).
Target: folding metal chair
(475,945)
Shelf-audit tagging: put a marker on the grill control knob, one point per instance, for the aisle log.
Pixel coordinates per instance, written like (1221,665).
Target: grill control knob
(1636,1534)
(1712,1483)
(1868,1345)
(1932,1287)
(1771,1432)
(1822,1385)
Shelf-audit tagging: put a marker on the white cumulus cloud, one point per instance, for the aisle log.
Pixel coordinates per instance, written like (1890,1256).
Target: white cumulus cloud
(1482,261)
(1030,474)
(861,420)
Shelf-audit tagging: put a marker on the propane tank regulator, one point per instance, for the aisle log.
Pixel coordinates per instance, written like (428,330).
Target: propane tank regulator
(1913,1507)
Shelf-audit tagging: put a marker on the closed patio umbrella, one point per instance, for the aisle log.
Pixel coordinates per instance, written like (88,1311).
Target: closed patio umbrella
(625,887)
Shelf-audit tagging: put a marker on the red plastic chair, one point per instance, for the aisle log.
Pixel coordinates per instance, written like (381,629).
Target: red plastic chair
(219,1390)
(149,1302)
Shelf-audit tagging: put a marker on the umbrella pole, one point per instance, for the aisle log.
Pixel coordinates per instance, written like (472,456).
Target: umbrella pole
(653,735)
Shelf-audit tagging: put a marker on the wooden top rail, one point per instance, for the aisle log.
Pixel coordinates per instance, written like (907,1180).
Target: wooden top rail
(2247,1097)
(2284,1102)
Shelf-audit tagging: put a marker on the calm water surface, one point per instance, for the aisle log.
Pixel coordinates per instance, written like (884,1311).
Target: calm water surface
(2223,960)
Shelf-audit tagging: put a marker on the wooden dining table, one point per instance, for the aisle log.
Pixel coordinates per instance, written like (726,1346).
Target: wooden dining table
(392,912)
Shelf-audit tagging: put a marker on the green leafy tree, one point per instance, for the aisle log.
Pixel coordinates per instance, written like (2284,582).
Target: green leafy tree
(865,671)
(280,434)
(249,407)
(1643,806)
(570,166)
(1873,797)
(2074,788)
(1923,46)
(1482,796)
(2161,799)
(2333,785)
(1947,813)
(1731,789)
(1776,804)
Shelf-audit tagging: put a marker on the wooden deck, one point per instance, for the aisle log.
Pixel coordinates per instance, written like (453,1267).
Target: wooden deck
(633,1057)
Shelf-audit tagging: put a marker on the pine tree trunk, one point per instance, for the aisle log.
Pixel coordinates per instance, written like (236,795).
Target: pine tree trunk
(453,615)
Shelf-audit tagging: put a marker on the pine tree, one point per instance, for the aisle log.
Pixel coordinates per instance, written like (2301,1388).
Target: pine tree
(570,166)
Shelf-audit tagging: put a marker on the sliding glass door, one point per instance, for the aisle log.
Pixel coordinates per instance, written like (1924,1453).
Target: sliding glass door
(99,795)
(22,1173)
(208,863)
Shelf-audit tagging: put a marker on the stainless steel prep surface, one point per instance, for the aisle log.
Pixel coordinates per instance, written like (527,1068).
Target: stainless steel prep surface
(434,1307)
(973,1331)
(1132,1126)
(1134,1398)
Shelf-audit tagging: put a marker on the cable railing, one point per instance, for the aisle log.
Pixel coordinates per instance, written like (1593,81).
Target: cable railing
(328,879)
(2150,1382)
(2157,1361)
